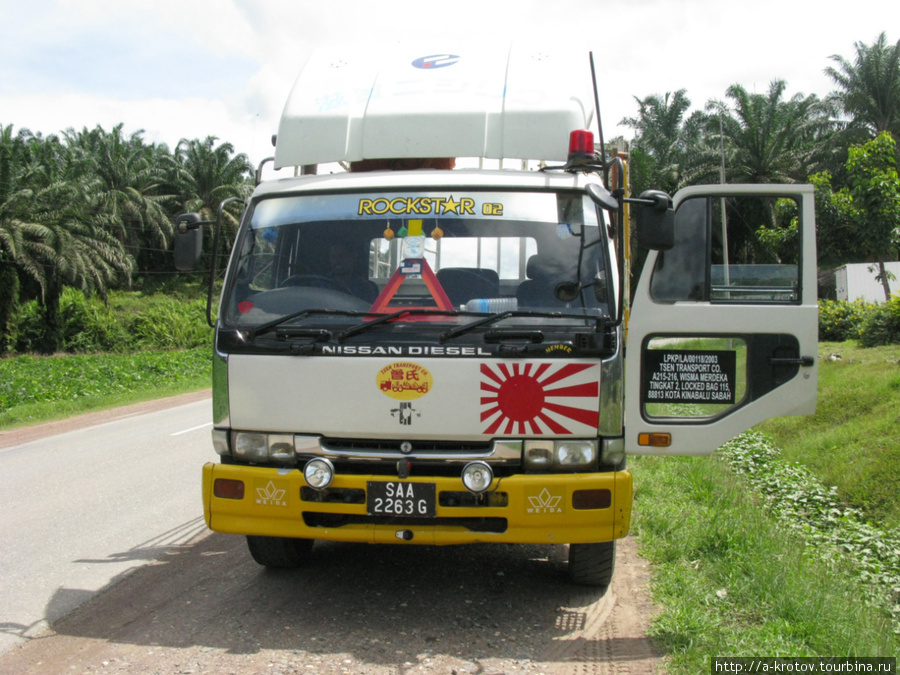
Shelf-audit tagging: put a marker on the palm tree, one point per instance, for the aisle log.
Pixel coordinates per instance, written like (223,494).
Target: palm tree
(81,253)
(870,86)
(768,139)
(760,138)
(658,150)
(125,186)
(208,174)
(21,235)
(51,229)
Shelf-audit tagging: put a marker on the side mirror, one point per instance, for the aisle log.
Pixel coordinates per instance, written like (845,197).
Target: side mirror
(188,247)
(188,241)
(601,196)
(655,219)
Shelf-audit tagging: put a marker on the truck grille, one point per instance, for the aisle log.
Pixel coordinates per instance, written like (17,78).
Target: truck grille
(391,447)
(423,457)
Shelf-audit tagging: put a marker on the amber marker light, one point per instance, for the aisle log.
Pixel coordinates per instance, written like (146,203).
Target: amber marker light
(655,440)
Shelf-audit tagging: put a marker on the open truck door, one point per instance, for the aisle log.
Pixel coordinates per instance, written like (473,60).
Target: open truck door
(724,325)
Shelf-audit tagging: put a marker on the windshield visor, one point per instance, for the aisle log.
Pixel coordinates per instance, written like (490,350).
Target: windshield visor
(341,255)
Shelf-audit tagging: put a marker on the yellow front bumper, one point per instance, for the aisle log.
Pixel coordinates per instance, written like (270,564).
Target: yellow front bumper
(539,509)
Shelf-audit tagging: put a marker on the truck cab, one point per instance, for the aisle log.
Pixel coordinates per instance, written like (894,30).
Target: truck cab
(415,355)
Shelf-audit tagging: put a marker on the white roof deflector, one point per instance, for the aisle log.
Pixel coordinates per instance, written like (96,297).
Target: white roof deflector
(396,101)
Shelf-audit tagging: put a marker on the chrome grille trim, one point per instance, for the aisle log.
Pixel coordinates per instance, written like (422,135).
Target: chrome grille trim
(495,451)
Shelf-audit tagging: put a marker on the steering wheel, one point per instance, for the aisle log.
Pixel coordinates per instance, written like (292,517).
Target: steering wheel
(316,281)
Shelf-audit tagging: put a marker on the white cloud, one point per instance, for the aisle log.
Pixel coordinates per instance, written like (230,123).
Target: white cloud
(192,68)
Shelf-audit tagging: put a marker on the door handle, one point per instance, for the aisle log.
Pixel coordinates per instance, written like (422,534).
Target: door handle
(805,361)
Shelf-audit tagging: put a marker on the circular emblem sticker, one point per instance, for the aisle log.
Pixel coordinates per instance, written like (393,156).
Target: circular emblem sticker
(404,381)
(435,61)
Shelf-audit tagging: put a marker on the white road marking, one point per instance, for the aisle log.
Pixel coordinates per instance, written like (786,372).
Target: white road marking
(186,431)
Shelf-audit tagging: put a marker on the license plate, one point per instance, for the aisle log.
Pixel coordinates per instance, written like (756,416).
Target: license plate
(395,498)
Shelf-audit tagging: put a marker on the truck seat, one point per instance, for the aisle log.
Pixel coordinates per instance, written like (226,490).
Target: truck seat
(543,277)
(464,283)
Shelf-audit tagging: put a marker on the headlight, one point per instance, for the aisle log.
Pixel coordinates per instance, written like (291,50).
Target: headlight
(264,448)
(568,455)
(576,453)
(251,447)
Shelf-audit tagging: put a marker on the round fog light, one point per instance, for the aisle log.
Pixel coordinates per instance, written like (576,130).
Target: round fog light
(477,477)
(319,473)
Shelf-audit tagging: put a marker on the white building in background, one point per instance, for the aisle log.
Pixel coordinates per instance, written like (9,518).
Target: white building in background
(857,281)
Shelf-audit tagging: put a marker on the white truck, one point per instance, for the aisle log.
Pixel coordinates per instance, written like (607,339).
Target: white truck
(411,353)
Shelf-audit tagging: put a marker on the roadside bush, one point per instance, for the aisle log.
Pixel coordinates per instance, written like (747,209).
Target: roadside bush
(840,320)
(882,324)
(837,533)
(29,328)
(172,325)
(88,326)
(731,578)
(28,380)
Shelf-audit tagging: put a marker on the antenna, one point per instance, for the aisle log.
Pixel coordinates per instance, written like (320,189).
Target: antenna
(597,109)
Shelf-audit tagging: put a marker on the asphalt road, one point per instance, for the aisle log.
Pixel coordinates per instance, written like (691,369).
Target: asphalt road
(107,566)
(81,509)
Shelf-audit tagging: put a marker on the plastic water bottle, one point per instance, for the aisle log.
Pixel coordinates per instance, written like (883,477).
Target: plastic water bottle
(491,305)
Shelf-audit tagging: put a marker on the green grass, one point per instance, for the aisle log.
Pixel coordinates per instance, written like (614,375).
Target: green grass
(37,389)
(772,561)
(836,532)
(733,582)
(853,440)
(148,342)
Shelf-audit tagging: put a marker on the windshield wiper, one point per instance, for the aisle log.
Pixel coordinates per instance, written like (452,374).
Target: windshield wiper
(493,318)
(269,325)
(384,318)
(465,328)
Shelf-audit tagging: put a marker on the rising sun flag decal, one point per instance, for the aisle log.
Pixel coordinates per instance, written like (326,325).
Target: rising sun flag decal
(540,398)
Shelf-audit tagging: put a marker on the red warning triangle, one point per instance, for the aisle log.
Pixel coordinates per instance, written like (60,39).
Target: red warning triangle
(408,268)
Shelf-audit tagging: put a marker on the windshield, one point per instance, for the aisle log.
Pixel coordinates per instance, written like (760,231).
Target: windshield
(445,257)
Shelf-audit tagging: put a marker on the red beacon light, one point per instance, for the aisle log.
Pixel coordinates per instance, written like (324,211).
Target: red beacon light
(581,145)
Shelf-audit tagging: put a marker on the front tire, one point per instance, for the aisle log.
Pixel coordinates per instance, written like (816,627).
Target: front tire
(592,564)
(279,552)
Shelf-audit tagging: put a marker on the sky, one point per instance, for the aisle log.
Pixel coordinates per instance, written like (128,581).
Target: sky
(194,68)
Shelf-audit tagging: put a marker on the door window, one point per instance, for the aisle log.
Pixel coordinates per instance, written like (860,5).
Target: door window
(732,250)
